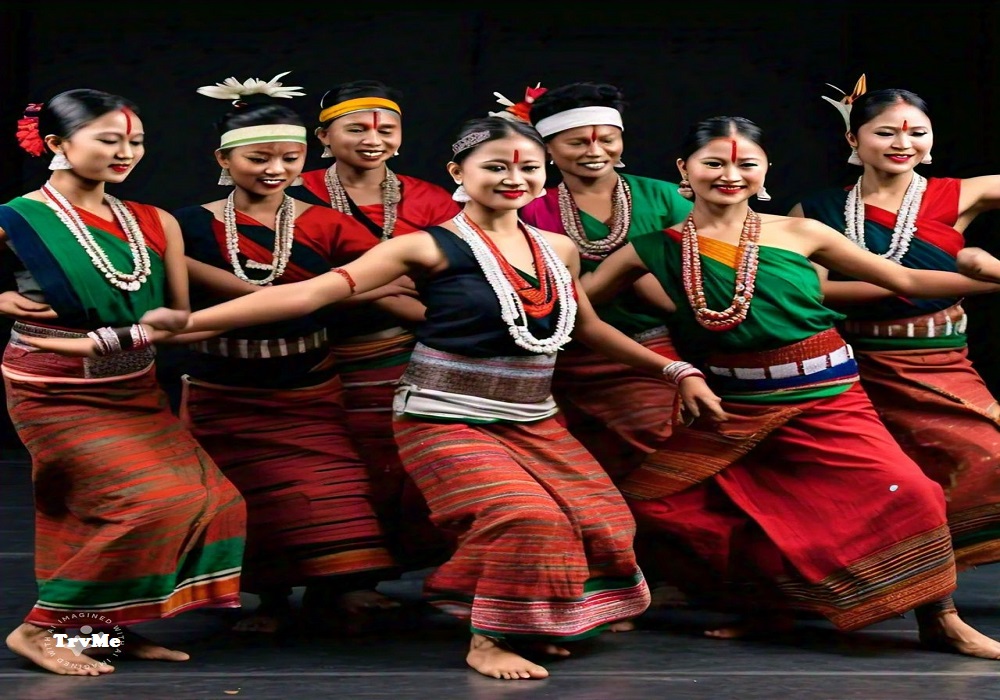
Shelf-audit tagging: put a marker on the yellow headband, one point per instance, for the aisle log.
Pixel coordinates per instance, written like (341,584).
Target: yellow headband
(356,105)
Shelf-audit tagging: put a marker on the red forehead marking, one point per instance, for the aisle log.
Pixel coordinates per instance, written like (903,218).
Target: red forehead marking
(375,119)
(517,155)
(128,120)
(905,124)
(593,135)
(733,154)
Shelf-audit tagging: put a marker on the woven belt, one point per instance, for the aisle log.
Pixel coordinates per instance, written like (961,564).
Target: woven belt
(948,322)
(258,349)
(116,365)
(520,379)
(799,368)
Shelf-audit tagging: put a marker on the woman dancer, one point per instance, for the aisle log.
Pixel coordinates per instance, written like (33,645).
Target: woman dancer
(133,520)
(802,494)
(264,399)
(361,128)
(912,353)
(619,413)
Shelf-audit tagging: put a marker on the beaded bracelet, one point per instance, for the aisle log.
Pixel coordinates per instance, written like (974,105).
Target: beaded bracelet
(346,275)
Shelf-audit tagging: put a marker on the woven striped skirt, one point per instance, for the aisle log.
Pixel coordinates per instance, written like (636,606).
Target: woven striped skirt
(943,415)
(544,538)
(289,453)
(370,371)
(619,413)
(811,505)
(133,520)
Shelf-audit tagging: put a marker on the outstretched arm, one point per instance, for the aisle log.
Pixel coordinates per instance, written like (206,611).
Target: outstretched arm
(379,266)
(832,250)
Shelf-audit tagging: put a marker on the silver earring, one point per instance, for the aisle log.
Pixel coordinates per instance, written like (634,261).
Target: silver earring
(460,195)
(297,182)
(854,159)
(225,179)
(395,154)
(927,159)
(542,193)
(327,153)
(762,194)
(619,164)
(60,162)
(551,162)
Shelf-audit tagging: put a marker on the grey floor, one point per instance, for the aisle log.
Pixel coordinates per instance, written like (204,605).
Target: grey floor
(665,658)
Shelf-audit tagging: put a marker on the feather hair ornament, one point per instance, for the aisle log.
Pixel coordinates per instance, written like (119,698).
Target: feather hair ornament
(843,105)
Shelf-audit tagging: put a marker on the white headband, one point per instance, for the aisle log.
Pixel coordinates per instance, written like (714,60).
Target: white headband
(264,133)
(580,116)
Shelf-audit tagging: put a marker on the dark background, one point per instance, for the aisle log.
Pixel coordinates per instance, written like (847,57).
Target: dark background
(676,62)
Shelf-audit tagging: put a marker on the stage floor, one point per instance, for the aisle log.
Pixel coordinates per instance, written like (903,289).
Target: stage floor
(665,658)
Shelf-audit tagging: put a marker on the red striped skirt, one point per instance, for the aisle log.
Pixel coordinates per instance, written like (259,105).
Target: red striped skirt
(290,455)
(133,520)
(824,508)
(544,538)
(619,413)
(942,414)
(370,371)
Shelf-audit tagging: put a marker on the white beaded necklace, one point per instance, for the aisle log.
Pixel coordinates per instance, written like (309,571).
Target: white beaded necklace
(621,219)
(902,232)
(129,282)
(283,236)
(511,307)
(390,198)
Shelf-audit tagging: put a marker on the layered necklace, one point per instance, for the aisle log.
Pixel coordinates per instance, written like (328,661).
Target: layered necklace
(621,219)
(126,281)
(746,275)
(906,217)
(390,198)
(519,300)
(284,234)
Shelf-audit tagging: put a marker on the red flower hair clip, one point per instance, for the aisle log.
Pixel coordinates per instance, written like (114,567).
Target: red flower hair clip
(27,131)
(519,111)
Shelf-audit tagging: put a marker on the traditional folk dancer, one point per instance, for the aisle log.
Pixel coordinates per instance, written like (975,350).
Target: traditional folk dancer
(620,414)
(133,520)
(360,127)
(912,354)
(802,494)
(264,399)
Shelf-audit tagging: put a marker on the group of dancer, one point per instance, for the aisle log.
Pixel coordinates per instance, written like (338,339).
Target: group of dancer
(549,399)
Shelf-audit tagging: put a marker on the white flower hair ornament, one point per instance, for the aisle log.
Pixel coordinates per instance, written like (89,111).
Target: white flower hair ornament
(518,112)
(233,89)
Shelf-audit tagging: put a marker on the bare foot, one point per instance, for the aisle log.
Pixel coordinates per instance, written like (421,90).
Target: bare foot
(547,649)
(37,646)
(622,626)
(492,660)
(262,623)
(950,633)
(754,626)
(139,647)
(356,602)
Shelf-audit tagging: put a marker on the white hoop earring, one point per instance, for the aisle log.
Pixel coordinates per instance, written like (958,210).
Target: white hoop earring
(327,153)
(854,158)
(225,179)
(460,195)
